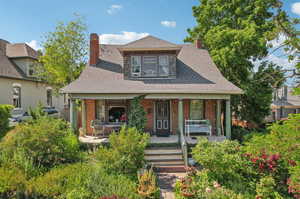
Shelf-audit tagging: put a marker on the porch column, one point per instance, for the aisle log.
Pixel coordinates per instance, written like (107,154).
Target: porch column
(228,120)
(73,114)
(180,115)
(218,117)
(83,112)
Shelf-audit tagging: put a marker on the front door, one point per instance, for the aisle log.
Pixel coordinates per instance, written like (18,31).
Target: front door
(163,118)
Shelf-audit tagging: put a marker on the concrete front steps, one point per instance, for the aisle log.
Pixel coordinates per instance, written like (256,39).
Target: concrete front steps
(165,159)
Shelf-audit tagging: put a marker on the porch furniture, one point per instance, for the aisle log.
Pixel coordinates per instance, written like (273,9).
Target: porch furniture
(197,127)
(103,129)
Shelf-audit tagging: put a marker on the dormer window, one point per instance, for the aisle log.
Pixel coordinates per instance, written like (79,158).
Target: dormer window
(163,69)
(136,66)
(150,66)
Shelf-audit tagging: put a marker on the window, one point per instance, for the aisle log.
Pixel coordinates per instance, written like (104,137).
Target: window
(163,65)
(49,97)
(100,110)
(136,66)
(17,96)
(196,109)
(117,114)
(31,70)
(149,66)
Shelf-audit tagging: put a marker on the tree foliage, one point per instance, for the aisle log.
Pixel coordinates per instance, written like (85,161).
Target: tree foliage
(4,115)
(64,56)
(236,33)
(137,115)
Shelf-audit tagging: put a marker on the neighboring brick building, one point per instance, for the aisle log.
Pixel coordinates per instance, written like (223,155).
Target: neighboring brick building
(179,82)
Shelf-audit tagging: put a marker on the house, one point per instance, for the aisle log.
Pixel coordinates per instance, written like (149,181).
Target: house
(180,83)
(284,103)
(18,86)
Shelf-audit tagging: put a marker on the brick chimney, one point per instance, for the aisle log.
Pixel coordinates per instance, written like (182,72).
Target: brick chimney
(94,49)
(198,43)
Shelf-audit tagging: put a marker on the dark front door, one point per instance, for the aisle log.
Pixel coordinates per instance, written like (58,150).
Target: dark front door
(163,118)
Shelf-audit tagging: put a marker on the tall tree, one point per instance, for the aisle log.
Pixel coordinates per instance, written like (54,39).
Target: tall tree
(236,33)
(64,55)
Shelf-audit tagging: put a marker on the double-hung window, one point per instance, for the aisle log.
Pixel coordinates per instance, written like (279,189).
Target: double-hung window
(136,66)
(149,68)
(17,96)
(196,109)
(163,68)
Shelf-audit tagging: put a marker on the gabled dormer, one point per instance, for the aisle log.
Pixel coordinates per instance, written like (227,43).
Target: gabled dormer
(149,57)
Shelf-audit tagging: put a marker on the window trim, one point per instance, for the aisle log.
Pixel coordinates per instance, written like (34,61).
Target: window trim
(140,74)
(203,109)
(49,102)
(159,66)
(135,74)
(19,104)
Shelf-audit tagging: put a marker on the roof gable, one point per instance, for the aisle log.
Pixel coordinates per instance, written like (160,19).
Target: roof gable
(20,50)
(149,42)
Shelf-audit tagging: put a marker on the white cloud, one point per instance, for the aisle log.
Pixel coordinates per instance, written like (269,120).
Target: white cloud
(34,44)
(278,41)
(169,24)
(296,8)
(280,61)
(123,38)
(113,9)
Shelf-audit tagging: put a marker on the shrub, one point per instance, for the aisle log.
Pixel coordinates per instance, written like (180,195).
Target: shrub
(47,141)
(80,181)
(4,115)
(225,163)
(126,152)
(137,115)
(294,181)
(12,182)
(265,189)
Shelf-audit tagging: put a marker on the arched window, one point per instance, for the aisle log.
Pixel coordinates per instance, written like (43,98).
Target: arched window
(49,97)
(17,96)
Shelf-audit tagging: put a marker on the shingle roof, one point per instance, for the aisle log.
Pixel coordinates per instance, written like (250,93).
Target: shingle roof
(292,100)
(196,73)
(7,67)
(20,50)
(149,42)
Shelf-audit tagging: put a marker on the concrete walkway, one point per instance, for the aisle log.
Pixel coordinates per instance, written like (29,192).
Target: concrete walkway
(166,182)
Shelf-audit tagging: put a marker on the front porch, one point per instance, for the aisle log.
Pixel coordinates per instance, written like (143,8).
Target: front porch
(167,114)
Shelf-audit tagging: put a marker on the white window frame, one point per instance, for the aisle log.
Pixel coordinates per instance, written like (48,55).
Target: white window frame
(133,73)
(156,65)
(167,64)
(19,102)
(49,101)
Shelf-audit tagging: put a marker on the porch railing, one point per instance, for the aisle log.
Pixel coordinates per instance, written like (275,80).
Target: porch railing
(184,148)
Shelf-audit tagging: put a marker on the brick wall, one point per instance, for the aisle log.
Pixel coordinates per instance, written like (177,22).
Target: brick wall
(174,116)
(90,114)
(149,108)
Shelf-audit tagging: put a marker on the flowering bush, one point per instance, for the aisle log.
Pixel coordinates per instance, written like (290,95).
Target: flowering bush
(266,167)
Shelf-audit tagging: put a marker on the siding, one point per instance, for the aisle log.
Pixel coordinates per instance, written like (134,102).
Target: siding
(31,93)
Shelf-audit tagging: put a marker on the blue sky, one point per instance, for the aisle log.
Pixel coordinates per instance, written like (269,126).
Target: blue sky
(118,21)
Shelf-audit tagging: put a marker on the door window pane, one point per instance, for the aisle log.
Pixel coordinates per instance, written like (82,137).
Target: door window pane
(196,109)
(149,66)
(163,65)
